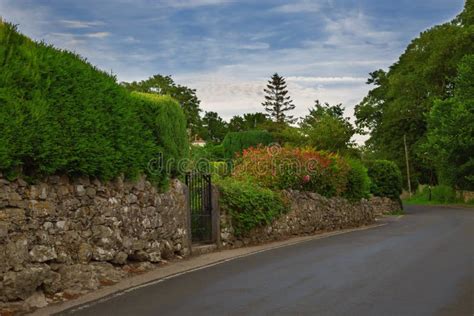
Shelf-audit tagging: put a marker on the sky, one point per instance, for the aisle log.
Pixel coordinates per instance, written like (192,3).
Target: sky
(227,50)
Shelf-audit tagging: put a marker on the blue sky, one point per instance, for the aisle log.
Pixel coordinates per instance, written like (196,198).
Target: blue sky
(228,49)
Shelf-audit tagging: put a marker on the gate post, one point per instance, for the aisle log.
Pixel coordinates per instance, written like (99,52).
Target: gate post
(216,216)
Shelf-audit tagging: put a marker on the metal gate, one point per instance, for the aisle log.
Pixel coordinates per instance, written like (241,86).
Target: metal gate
(200,203)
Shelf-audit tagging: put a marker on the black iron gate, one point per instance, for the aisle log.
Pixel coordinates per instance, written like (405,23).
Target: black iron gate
(200,202)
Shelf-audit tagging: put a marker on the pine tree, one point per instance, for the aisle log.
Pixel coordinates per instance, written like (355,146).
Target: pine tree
(277,100)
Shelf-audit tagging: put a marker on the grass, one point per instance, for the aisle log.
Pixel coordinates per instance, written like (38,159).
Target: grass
(440,195)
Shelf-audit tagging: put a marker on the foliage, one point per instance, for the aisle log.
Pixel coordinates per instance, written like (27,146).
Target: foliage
(294,168)
(277,101)
(386,179)
(441,194)
(210,152)
(358,181)
(165,119)
(402,97)
(214,127)
(59,114)
(450,138)
(327,128)
(249,121)
(164,85)
(249,205)
(235,143)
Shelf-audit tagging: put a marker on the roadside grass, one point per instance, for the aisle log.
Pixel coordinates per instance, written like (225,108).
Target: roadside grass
(440,195)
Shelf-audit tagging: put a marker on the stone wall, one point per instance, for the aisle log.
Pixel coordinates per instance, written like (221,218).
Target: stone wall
(384,205)
(309,213)
(72,235)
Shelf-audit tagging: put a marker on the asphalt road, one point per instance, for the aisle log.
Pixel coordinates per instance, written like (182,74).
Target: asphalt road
(420,264)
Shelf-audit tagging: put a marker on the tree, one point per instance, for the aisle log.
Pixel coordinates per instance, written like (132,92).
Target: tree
(164,85)
(327,128)
(402,97)
(215,128)
(248,122)
(277,101)
(450,137)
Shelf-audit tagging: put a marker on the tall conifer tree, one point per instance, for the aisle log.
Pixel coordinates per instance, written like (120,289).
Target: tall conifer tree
(277,101)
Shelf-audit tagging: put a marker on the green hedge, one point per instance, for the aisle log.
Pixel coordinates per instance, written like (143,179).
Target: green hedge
(235,142)
(386,179)
(358,181)
(249,205)
(59,114)
(165,120)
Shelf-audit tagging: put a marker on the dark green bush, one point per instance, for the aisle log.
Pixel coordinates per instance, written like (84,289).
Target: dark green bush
(235,142)
(358,181)
(165,120)
(386,179)
(59,114)
(249,205)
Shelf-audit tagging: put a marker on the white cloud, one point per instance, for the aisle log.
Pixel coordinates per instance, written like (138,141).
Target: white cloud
(77,24)
(327,79)
(97,35)
(299,7)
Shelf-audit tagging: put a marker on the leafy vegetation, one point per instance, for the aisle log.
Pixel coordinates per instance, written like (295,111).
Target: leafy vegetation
(414,92)
(235,143)
(165,120)
(441,194)
(59,114)
(186,97)
(327,128)
(450,139)
(249,205)
(358,181)
(386,179)
(299,169)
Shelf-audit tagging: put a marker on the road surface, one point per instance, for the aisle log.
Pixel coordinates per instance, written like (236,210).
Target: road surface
(420,264)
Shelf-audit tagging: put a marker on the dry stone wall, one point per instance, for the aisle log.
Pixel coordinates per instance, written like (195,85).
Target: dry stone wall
(309,213)
(77,234)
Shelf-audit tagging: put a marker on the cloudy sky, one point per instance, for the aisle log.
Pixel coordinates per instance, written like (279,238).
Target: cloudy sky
(228,49)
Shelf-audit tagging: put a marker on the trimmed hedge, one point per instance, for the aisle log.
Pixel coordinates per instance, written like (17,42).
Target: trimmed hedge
(165,120)
(59,114)
(358,181)
(235,142)
(386,179)
(249,205)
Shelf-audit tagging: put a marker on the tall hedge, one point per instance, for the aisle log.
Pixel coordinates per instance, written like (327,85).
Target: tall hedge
(59,114)
(165,120)
(386,179)
(235,142)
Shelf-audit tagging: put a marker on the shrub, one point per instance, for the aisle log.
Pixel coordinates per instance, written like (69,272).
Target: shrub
(164,118)
(249,205)
(443,194)
(288,168)
(358,181)
(386,179)
(235,142)
(59,114)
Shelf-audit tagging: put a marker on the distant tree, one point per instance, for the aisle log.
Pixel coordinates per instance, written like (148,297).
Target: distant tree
(164,85)
(215,128)
(277,101)
(248,122)
(237,124)
(326,128)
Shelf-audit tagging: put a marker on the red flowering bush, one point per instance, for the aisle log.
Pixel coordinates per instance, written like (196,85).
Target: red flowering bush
(293,168)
